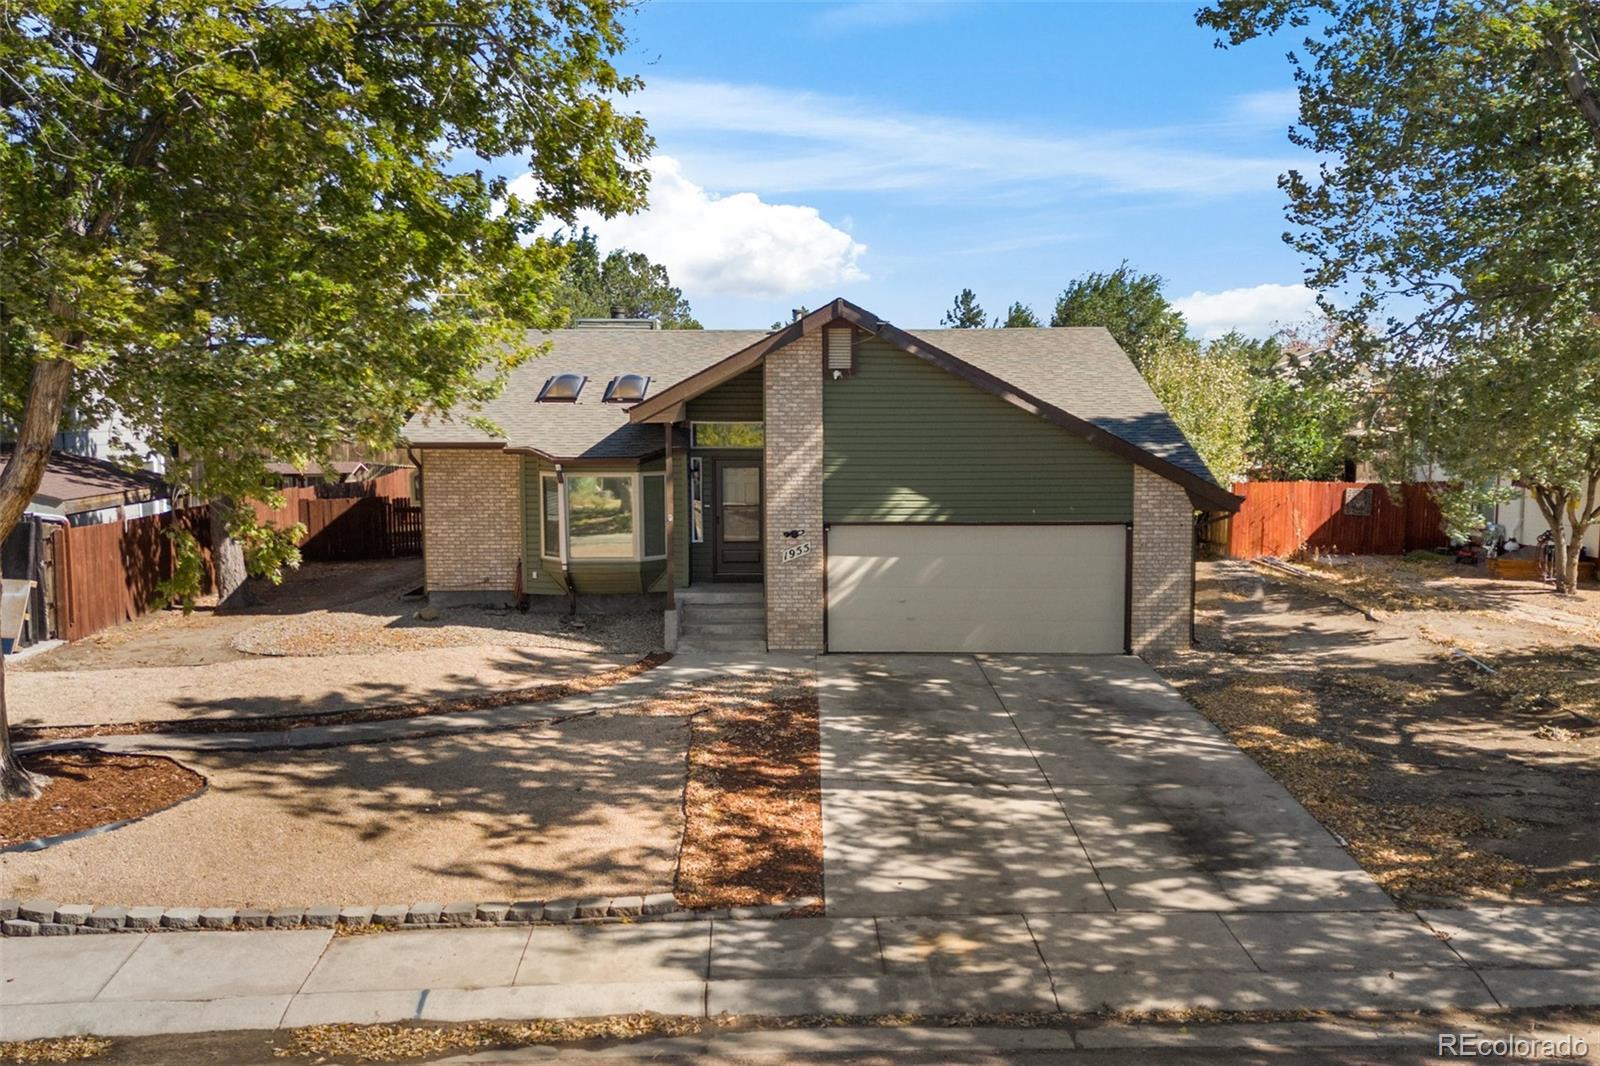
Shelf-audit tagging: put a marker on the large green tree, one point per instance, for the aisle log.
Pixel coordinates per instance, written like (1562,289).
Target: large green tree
(965,312)
(593,286)
(252,230)
(1210,394)
(1458,204)
(1020,316)
(1127,302)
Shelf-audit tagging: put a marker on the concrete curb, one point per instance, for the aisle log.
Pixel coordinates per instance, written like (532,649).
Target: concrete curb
(44,917)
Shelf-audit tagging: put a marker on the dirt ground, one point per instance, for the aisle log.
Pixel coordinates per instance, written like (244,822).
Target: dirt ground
(256,686)
(343,609)
(1447,726)
(593,806)
(333,636)
(709,788)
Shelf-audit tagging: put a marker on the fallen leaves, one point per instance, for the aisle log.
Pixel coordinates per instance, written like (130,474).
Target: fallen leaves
(63,1049)
(753,798)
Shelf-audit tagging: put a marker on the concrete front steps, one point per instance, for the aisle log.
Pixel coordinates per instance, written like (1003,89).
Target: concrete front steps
(722,618)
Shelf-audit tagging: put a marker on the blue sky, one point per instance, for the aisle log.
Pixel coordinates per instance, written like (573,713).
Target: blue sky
(896,152)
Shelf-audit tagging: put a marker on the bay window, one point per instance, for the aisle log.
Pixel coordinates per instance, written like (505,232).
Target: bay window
(608,516)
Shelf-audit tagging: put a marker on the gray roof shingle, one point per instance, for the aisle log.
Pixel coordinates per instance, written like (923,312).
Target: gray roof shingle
(1080,370)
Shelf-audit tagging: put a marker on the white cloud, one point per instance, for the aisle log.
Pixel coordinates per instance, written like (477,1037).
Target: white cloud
(758,137)
(1276,107)
(737,245)
(1257,311)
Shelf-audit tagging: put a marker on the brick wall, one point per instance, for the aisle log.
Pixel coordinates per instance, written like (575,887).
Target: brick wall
(793,472)
(1163,540)
(471,519)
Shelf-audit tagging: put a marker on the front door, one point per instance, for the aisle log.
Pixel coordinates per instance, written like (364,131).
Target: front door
(737,519)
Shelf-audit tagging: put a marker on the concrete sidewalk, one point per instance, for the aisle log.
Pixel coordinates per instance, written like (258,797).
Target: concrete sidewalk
(132,985)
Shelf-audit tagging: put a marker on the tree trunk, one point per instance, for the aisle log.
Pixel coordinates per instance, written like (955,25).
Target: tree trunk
(227,555)
(41,417)
(16,782)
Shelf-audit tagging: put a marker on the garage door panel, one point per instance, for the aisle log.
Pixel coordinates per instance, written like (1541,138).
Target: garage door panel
(976,588)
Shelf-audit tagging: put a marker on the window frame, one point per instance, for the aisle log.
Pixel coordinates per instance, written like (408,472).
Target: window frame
(696,424)
(564,517)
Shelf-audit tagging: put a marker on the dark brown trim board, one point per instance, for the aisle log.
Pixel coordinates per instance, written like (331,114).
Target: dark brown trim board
(1127,595)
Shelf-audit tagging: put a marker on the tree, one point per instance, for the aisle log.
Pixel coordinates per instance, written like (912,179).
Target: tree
(965,312)
(245,228)
(1210,395)
(592,287)
(1459,203)
(1020,316)
(1126,302)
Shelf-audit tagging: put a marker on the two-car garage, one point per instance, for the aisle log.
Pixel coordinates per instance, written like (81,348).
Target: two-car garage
(968,588)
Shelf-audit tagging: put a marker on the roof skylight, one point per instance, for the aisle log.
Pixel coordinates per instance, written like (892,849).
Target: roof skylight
(627,388)
(563,388)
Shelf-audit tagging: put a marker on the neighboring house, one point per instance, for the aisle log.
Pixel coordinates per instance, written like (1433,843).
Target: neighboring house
(82,491)
(75,491)
(936,490)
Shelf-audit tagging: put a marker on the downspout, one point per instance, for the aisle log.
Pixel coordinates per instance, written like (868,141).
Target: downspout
(416,461)
(566,543)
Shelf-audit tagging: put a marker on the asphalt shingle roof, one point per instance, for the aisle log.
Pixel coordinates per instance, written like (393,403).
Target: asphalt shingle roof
(1080,370)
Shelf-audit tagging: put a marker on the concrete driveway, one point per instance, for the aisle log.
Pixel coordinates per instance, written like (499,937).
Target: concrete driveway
(1004,784)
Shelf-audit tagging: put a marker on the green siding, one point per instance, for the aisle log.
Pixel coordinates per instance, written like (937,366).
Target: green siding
(735,400)
(904,441)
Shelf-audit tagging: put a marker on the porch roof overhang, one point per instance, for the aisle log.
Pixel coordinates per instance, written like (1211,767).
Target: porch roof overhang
(669,405)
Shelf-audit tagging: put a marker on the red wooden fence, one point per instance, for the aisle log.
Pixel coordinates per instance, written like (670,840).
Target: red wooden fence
(107,574)
(1283,518)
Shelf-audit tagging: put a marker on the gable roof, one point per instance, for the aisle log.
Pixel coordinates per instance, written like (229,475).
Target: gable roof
(1075,377)
(588,429)
(69,480)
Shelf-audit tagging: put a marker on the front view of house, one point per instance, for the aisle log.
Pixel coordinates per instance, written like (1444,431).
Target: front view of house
(864,487)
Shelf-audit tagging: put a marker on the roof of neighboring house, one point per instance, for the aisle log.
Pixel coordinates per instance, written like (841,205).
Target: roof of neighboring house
(70,481)
(342,467)
(1077,372)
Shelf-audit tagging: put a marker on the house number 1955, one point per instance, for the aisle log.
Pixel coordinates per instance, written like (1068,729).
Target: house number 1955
(796,551)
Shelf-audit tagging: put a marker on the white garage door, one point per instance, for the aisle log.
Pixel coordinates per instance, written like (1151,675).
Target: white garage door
(977,588)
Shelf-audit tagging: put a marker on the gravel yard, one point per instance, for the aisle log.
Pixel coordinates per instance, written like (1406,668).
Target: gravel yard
(588,807)
(705,786)
(257,686)
(1451,783)
(333,636)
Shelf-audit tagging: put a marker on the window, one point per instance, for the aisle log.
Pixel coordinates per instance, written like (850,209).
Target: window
(600,517)
(563,388)
(697,529)
(728,435)
(550,493)
(627,388)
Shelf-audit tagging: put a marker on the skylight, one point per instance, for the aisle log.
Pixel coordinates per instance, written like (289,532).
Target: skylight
(563,388)
(627,388)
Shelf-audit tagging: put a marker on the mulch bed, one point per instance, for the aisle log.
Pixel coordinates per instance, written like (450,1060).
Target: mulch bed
(269,723)
(89,789)
(753,798)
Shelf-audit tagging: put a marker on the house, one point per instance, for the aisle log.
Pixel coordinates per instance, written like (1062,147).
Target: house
(888,490)
(76,490)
